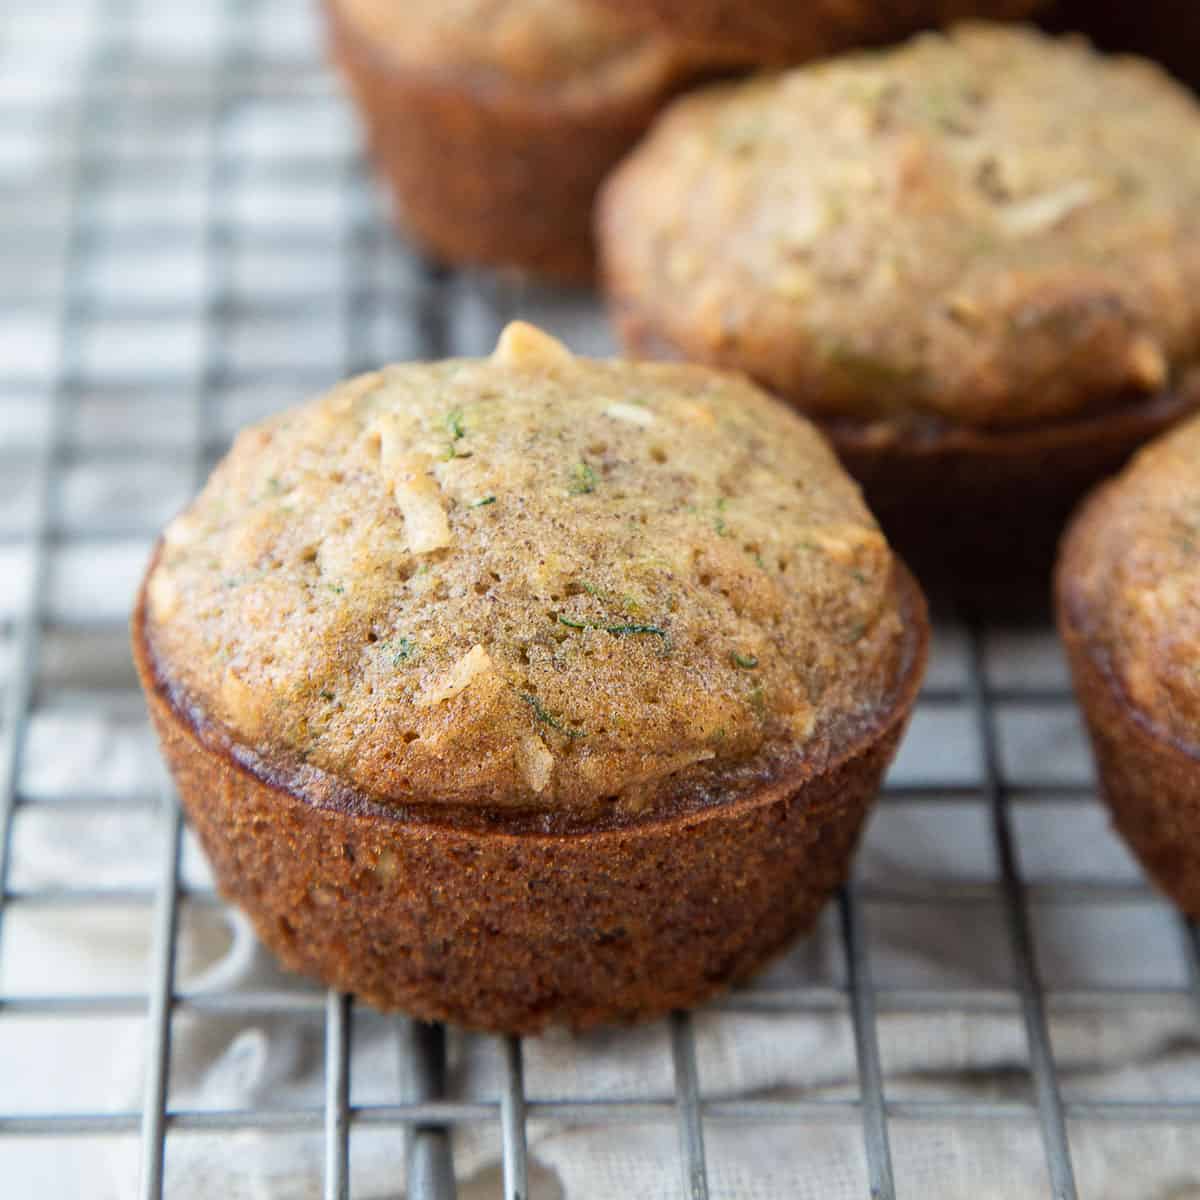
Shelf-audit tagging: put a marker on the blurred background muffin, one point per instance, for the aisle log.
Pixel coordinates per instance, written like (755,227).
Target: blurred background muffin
(975,259)
(1129,612)
(494,121)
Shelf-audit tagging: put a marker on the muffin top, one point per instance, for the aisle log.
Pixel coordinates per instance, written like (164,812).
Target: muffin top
(990,228)
(563,46)
(532,580)
(1134,580)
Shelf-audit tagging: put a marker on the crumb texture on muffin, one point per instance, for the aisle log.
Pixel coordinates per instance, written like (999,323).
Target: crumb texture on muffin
(1134,581)
(990,228)
(564,46)
(530,580)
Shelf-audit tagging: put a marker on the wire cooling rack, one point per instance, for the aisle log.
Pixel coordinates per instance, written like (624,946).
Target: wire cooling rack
(189,240)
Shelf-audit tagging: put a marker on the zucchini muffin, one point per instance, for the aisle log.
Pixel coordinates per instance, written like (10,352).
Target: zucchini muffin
(975,259)
(1129,611)
(782,31)
(532,689)
(494,121)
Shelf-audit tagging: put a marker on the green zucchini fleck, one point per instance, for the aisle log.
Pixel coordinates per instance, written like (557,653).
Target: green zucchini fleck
(582,479)
(627,630)
(405,650)
(623,630)
(719,521)
(548,718)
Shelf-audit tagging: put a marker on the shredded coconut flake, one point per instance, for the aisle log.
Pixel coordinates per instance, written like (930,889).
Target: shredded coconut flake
(1043,212)
(840,541)
(629,413)
(535,761)
(524,345)
(241,702)
(474,663)
(425,523)
(162,593)
(425,520)
(182,531)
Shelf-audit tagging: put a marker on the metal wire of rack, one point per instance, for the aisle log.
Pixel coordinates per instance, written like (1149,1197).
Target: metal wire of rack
(390,304)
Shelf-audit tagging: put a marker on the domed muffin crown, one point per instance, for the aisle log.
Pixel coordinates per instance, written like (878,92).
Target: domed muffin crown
(991,229)
(530,580)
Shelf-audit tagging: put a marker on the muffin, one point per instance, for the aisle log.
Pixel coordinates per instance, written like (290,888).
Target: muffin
(1128,590)
(529,690)
(974,259)
(494,121)
(1166,30)
(782,31)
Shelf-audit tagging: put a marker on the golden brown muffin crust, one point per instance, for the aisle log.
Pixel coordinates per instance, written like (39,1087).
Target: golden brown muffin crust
(990,228)
(1134,582)
(533,580)
(567,47)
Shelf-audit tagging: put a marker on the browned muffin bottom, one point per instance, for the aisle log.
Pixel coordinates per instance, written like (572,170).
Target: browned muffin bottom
(782,31)
(1128,589)
(530,689)
(494,121)
(969,257)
